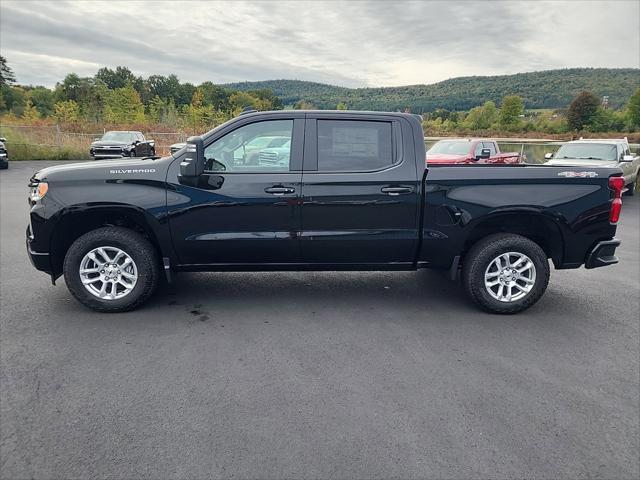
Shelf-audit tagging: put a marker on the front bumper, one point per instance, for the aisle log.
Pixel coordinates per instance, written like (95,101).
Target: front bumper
(40,260)
(603,254)
(110,155)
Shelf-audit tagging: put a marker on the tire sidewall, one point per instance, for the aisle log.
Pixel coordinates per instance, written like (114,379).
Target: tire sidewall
(512,243)
(105,238)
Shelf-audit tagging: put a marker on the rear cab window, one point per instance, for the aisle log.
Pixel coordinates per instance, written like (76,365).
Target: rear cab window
(354,145)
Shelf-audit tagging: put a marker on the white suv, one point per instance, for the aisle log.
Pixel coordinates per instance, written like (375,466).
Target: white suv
(600,153)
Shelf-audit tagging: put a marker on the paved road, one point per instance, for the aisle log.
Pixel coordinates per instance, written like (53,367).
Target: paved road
(347,375)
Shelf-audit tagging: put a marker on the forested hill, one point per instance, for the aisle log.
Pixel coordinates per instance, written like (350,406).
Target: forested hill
(545,89)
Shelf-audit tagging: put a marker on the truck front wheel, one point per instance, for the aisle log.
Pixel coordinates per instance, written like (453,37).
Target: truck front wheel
(111,269)
(505,273)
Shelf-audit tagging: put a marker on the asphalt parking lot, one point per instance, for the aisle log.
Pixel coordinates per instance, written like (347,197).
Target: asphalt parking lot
(342,375)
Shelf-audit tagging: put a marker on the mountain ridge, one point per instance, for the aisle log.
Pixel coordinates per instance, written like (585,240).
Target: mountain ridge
(539,89)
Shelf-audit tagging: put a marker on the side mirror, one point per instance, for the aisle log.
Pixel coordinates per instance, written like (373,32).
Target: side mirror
(484,154)
(2,139)
(192,166)
(136,142)
(628,158)
(96,139)
(548,156)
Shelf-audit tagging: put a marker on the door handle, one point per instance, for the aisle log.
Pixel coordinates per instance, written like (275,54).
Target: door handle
(396,190)
(279,190)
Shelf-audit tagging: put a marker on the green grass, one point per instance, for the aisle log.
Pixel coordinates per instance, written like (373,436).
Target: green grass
(45,152)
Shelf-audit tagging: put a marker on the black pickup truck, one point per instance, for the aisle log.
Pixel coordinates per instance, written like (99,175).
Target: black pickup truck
(122,144)
(349,191)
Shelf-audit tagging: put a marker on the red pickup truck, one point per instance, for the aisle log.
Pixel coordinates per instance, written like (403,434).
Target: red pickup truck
(470,150)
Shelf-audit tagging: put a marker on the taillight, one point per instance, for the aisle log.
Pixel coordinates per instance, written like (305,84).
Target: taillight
(616,184)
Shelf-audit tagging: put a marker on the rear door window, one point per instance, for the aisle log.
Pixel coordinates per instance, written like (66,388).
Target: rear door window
(354,146)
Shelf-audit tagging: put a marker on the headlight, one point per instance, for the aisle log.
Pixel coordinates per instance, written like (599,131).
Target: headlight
(38,192)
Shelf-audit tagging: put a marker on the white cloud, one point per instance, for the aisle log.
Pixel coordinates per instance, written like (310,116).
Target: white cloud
(372,43)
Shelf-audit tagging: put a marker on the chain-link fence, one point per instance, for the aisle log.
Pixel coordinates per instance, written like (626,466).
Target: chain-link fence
(50,142)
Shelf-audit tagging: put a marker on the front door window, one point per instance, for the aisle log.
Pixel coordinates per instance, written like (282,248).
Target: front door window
(261,147)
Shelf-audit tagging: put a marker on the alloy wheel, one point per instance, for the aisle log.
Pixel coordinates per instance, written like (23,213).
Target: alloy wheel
(108,273)
(510,277)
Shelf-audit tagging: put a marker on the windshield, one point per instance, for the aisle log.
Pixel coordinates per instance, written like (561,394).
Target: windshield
(118,136)
(587,151)
(450,147)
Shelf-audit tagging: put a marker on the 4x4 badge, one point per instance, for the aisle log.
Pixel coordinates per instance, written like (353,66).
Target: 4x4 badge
(578,174)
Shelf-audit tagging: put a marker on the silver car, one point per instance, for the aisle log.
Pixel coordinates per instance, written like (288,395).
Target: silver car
(600,153)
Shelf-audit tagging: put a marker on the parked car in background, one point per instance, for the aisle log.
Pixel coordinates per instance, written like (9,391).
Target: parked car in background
(275,156)
(600,153)
(471,151)
(4,154)
(253,149)
(116,144)
(177,146)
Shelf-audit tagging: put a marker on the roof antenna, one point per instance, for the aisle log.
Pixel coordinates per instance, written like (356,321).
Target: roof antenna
(247,109)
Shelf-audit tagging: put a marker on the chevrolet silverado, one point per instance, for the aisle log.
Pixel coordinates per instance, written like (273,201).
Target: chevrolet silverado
(353,193)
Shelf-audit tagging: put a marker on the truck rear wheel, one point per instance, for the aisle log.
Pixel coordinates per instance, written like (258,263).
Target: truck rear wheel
(111,269)
(505,273)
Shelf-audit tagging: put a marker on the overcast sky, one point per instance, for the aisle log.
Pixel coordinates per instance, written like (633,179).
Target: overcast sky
(364,43)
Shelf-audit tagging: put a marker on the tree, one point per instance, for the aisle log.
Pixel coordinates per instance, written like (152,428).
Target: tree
(70,87)
(304,105)
(510,111)
(13,98)
(66,111)
(481,118)
(607,120)
(156,109)
(7,76)
(268,100)
(123,105)
(185,93)
(30,113)
(196,115)
(43,99)
(441,113)
(215,95)
(633,110)
(240,100)
(117,78)
(341,106)
(164,87)
(582,110)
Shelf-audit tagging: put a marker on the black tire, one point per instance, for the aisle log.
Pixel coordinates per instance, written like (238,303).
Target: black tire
(132,153)
(152,153)
(477,260)
(632,188)
(135,245)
